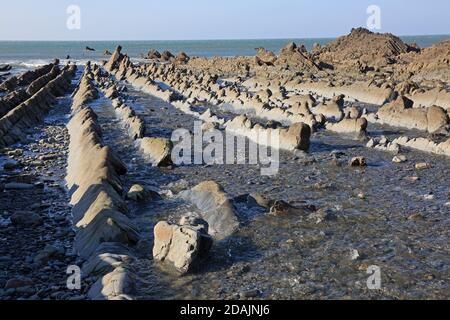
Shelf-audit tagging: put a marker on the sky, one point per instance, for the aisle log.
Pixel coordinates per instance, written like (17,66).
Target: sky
(212,19)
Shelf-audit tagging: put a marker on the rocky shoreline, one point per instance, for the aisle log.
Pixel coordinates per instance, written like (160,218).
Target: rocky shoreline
(87,178)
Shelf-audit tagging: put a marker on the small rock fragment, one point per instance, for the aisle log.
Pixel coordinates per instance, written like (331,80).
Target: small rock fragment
(140,193)
(422,166)
(358,162)
(399,159)
(26,218)
(16,283)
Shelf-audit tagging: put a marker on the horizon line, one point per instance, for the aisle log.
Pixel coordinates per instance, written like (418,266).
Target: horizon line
(218,39)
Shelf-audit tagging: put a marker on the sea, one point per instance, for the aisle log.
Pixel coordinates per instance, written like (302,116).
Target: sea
(23,55)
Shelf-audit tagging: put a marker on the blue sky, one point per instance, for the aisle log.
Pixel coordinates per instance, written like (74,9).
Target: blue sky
(211,19)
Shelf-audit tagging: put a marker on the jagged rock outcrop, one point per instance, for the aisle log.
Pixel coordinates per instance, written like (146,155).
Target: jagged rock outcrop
(265,57)
(296,58)
(33,110)
(223,66)
(402,114)
(9,101)
(167,56)
(4,68)
(363,48)
(133,123)
(421,144)
(368,92)
(99,212)
(427,98)
(181,58)
(153,55)
(156,149)
(430,63)
(115,59)
(28,77)
(297,136)
(85,92)
(37,84)
(14,98)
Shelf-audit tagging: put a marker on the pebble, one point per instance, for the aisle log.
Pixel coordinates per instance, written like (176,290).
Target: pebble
(370,144)
(422,166)
(47,157)
(322,215)
(358,162)
(16,152)
(412,179)
(416,217)
(18,186)
(428,197)
(250,294)
(16,283)
(354,254)
(399,159)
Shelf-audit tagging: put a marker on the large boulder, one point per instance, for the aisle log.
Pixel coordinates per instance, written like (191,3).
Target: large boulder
(183,246)
(215,207)
(350,126)
(159,150)
(297,135)
(331,110)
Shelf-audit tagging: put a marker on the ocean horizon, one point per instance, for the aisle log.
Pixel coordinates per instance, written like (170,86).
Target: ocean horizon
(29,54)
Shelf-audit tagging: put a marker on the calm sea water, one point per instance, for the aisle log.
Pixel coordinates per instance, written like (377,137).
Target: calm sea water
(27,54)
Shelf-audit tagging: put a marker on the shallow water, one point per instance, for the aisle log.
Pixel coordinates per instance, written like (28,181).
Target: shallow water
(292,257)
(295,257)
